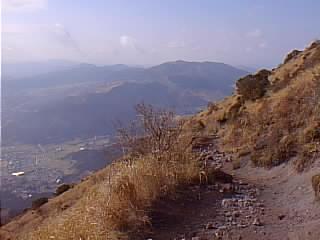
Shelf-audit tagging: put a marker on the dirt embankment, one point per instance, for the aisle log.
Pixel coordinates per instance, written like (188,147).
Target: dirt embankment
(259,204)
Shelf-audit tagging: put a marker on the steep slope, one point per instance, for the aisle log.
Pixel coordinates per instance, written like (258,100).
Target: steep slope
(274,116)
(273,121)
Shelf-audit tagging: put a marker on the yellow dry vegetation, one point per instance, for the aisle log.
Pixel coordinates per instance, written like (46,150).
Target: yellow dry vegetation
(117,206)
(283,124)
(115,202)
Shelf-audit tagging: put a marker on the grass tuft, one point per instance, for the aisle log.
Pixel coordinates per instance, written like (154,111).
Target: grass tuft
(117,206)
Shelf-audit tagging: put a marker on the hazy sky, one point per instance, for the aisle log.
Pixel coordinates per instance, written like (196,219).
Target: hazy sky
(238,32)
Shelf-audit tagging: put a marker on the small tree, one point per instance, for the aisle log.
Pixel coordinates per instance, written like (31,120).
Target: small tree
(155,131)
(156,137)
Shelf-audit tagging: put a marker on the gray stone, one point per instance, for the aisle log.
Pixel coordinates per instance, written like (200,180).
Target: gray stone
(257,222)
(210,225)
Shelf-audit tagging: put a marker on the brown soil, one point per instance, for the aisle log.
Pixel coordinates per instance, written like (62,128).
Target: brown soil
(289,210)
(185,215)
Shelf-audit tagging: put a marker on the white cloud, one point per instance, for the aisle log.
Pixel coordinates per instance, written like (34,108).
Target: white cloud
(12,28)
(127,41)
(39,41)
(21,28)
(64,37)
(131,43)
(257,33)
(56,32)
(23,5)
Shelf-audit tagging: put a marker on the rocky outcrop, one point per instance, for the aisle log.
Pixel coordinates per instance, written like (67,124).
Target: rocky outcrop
(253,87)
(314,44)
(291,55)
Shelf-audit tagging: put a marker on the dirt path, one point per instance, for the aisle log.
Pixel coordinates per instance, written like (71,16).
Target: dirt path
(275,204)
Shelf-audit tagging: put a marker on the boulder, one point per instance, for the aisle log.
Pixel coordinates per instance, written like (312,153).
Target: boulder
(257,222)
(253,87)
(216,175)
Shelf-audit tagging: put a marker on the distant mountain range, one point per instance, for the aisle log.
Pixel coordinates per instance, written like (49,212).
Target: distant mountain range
(31,69)
(85,100)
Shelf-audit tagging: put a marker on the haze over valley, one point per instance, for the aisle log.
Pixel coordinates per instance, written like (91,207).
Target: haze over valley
(86,100)
(48,115)
(160,120)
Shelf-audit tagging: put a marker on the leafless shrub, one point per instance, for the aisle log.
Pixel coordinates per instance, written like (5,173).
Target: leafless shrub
(156,131)
(116,206)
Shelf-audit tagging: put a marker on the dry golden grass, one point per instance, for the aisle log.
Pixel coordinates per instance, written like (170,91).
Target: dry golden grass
(114,203)
(117,205)
(283,124)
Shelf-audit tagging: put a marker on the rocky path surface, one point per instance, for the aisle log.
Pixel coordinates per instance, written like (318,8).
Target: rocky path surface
(237,205)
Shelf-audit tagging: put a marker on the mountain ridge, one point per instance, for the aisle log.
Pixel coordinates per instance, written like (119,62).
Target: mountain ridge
(188,87)
(245,130)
